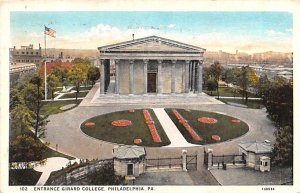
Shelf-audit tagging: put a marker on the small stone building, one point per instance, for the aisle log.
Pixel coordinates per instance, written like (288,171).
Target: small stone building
(153,65)
(129,160)
(254,151)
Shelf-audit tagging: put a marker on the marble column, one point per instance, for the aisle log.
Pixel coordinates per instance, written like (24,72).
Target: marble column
(200,68)
(187,77)
(193,76)
(117,76)
(145,76)
(173,77)
(131,74)
(159,77)
(102,77)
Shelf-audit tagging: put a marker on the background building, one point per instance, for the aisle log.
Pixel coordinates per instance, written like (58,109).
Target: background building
(26,54)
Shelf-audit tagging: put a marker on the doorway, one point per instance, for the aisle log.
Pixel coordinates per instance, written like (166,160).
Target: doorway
(129,169)
(152,81)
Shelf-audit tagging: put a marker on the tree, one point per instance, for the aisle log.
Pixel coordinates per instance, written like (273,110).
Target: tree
(21,118)
(252,77)
(77,76)
(105,176)
(33,94)
(93,74)
(211,85)
(283,146)
(53,82)
(216,70)
(61,73)
(15,98)
(25,149)
(81,61)
(244,82)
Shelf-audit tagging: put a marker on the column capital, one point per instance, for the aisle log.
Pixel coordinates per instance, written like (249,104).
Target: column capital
(200,62)
(117,61)
(159,61)
(131,61)
(187,61)
(173,61)
(102,60)
(145,61)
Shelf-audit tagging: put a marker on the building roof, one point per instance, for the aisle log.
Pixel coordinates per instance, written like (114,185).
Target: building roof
(256,147)
(129,152)
(151,43)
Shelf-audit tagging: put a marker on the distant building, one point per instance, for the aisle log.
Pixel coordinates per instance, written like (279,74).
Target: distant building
(26,54)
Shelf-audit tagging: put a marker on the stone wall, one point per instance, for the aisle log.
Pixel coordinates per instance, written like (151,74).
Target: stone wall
(138,71)
(166,77)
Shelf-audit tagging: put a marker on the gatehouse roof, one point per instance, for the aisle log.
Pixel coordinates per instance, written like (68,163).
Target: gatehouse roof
(256,147)
(151,44)
(129,152)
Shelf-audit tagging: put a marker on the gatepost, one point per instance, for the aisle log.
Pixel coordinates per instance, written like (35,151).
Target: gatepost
(209,164)
(184,152)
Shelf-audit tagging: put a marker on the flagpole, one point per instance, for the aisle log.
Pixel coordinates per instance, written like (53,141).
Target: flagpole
(45,67)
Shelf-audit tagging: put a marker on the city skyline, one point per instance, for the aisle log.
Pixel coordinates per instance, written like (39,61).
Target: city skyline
(228,31)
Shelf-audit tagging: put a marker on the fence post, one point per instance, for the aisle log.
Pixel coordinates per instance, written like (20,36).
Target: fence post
(184,152)
(210,154)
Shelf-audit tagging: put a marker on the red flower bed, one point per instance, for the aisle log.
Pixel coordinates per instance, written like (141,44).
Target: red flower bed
(189,129)
(137,141)
(235,121)
(121,123)
(216,137)
(89,124)
(207,120)
(151,126)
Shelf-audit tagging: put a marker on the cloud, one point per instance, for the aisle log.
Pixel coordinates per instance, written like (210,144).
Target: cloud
(274,33)
(103,34)
(171,25)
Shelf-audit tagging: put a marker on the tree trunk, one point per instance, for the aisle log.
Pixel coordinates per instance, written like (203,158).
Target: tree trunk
(37,113)
(77,91)
(52,93)
(246,101)
(218,89)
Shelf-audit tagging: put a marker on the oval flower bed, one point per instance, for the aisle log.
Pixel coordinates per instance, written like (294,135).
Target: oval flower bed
(137,141)
(207,120)
(235,121)
(216,137)
(89,124)
(121,123)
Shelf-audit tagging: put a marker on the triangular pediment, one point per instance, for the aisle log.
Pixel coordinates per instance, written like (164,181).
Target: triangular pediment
(152,43)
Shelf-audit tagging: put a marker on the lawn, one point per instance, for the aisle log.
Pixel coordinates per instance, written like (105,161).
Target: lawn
(103,129)
(52,107)
(25,177)
(85,88)
(228,92)
(223,128)
(73,95)
(253,104)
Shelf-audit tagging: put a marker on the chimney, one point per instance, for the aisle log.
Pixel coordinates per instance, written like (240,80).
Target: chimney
(132,36)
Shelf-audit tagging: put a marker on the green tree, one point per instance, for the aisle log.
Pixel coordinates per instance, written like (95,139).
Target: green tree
(216,70)
(211,85)
(53,82)
(81,61)
(93,74)
(105,176)
(252,77)
(33,94)
(244,82)
(283,146)
(21,118)
(15,98)
(25,149)
(77,76)
(61,73)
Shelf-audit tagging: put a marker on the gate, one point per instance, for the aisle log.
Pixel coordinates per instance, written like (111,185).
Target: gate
(163,163)
(191,162)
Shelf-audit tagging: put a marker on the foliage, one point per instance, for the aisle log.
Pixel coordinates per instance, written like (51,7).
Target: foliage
(25,148)
(283,146)
(215,71)
(15,98)
(24,177)
(252,77)
(105,176)
(78,75)
(53,82)
(81,61)
(211,85)
(93,74)
(60,73)
(21,118)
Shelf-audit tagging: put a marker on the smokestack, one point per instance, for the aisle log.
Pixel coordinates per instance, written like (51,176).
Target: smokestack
(132,36)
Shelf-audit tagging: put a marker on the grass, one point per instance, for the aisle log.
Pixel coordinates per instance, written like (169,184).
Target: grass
(223,128)
(85,88)
(52,107)
(125,135)
(24,177)
(228,92)
(253,104)
(73,95)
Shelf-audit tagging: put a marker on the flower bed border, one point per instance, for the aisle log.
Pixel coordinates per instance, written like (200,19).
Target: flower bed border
(189,129)
(121,123)
(151,125)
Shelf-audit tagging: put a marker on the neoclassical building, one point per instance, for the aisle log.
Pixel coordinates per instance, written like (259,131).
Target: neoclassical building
(151,65)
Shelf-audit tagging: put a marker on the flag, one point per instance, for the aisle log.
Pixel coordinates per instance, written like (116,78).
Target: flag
(50,32)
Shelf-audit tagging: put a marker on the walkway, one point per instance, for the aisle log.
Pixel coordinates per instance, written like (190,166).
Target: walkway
(62,94)
(174,135)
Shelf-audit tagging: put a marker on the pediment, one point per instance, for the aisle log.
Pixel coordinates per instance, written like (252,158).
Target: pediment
(151,44)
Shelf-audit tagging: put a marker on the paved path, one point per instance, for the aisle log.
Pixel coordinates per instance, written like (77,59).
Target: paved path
(227,97)
(174,135)
(62,94)
(52,164)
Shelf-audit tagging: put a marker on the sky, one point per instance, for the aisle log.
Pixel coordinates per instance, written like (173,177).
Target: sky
(227,31)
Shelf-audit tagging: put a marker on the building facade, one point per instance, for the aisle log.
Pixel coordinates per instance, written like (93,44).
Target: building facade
(151,65)
(26,54)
